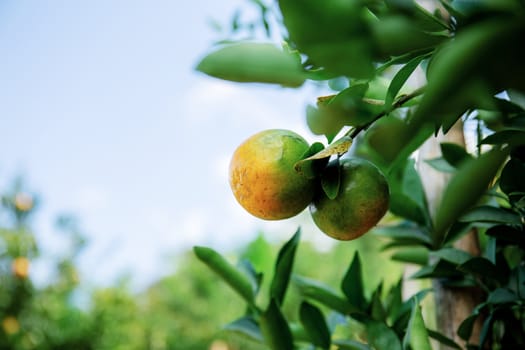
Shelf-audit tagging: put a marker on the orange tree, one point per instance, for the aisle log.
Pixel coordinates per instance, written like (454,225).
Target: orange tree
(404,74)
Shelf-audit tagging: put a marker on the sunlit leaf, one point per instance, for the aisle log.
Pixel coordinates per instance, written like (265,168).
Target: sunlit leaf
(246,326)
(231,275)
(253,62)
(400,78)
(416,336)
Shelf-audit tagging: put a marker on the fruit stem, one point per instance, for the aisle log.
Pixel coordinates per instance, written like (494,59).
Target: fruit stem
(397,104)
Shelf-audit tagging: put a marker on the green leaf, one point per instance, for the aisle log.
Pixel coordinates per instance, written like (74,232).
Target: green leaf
(464,189)
(315,325)
(253,62)
(408,234)
(331,179)
(411,255)
(377,310)
(453,255)
(456,67)
(316,291)
(332,36)
(416,337)
(404,206)
(247,327)
(352,284)
(283,268)
(275,329)
(400,78)
(381,337)
(454,154)
(440,164)
(347,344)
(235,278)
(487,213)
(394,299)
(311,167)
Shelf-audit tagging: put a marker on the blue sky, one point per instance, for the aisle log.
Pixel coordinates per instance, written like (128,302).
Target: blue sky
(104,116)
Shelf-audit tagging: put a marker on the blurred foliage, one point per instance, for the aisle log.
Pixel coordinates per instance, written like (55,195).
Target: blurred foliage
(184,310)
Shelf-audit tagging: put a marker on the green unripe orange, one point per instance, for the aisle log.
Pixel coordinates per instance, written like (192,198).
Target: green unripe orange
(262,175)
(362,200)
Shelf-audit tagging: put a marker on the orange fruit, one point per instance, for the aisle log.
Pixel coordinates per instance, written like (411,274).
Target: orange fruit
(262,175)
(20,267)
(361,201)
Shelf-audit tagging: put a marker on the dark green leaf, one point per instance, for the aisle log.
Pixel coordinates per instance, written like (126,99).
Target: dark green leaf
(235,278)
(381,337)
(377,310)
(507,234)
(502,296)
(315,325)
(486,213)
(464,189)
(456,231)
(314,290)
(352,284)
(511,179)
(482,267)
(465,328)
(441,269)
(443,339)
(253,62)
(246,326)
(400,78)
(416,337)
(331,179)
(275,329)
(509,137)
(454,154)
(485,330)
(283,268)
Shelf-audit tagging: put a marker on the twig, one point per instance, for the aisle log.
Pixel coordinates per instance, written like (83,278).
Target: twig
(397,104)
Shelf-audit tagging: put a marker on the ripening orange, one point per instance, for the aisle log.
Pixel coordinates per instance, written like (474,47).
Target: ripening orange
(262,175)
(362,201)
(20,267)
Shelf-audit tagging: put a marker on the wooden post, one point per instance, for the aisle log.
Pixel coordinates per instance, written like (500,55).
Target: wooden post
(453,305)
